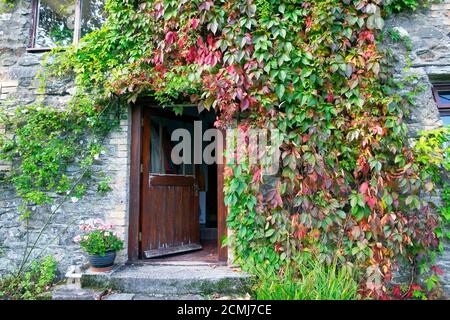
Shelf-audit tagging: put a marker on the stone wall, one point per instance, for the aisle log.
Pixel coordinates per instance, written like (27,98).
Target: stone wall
(428,60)
(18,87)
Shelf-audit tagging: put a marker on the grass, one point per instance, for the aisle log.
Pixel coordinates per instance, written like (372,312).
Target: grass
(309,280)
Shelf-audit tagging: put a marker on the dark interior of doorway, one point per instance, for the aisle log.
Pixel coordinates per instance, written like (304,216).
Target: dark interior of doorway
(208,207)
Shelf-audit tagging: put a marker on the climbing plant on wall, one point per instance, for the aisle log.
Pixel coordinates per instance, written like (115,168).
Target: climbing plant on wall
(349,185)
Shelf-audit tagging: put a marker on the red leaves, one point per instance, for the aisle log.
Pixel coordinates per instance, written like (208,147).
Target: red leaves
(274,197)
(364,187)
(412,288)
(371,201)
(437,270)
(171,37)
(257,176)
(416,287)
(300,229)
(248,101)
(301,232)
(210,40)
(397,292)
(363,165)
(378,130)
(308,22)
(330,98)
(159,10)
(306,137)
(399,295)
(195,23)
(228,172)
(206,6)
(191,54)
(207,53)
(367,35)
(368,197)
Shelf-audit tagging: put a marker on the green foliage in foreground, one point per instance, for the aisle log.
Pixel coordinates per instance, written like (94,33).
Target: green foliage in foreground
(310,280)
(31,285)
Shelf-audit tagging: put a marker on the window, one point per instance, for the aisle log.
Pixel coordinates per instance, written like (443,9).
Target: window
(161,147)
(441,93)
(59,23)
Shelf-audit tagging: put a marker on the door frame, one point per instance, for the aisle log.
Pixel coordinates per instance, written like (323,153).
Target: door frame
(136,183)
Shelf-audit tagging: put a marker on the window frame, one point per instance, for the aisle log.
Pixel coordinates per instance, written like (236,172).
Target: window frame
(35,21)
(444,108)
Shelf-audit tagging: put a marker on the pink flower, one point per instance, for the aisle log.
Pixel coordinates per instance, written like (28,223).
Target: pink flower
(77,239)
(107,234)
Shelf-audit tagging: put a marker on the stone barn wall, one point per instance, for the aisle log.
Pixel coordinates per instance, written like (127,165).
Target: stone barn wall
(428,61)
(18,87)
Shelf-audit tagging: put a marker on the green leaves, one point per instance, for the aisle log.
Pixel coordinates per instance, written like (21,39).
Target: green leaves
(356,199)
(280,89)
(375,22)
(269,233)
(48,141)
(33,284)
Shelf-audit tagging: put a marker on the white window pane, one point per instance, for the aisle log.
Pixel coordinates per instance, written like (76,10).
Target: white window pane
(444,97)
(445,120)
(92,15)
(56,22)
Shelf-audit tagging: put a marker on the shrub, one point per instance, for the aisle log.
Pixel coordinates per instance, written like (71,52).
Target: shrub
(395,6)
(31,285)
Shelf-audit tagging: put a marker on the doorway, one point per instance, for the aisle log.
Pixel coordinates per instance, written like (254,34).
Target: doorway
(176,207)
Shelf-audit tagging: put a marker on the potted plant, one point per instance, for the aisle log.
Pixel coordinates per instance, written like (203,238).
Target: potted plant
(101,244)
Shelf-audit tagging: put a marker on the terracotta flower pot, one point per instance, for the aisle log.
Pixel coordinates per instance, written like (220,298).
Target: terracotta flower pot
(102,263)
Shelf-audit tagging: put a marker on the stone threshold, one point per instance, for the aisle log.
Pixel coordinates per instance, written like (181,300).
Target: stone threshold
(156,281)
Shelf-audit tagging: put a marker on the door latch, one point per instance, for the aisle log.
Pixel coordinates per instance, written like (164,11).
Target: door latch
(196,189)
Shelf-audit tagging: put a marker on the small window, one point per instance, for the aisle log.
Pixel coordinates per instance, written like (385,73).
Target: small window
(55,24)
(92,16)
(441,93)
(161,147)
(61,23)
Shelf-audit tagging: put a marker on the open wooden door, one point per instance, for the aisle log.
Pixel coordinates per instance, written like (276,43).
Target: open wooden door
(169,191)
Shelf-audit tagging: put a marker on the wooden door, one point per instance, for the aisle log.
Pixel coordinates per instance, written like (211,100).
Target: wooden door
(169,191)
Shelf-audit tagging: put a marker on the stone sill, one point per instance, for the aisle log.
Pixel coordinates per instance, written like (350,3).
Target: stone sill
(38,50)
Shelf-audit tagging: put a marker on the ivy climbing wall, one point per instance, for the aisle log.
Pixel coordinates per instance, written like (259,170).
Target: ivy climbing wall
(19,86)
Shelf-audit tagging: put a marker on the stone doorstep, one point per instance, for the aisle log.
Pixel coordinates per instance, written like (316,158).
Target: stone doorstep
(74,292)
(175,280)
(115,296)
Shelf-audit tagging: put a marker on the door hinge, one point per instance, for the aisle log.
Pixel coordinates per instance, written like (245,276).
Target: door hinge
(140,236)
(142,168)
